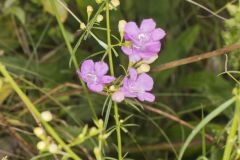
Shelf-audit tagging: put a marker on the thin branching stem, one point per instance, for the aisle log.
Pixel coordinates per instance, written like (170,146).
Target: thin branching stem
(36,114)
(76,65)
(116,114)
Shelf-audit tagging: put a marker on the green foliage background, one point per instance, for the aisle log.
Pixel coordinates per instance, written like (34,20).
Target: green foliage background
(33,49)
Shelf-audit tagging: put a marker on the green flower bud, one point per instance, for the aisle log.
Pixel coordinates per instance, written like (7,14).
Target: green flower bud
(99,1)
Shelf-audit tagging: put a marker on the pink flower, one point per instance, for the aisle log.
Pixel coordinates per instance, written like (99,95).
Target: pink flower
(94,74)
(138,86)
(145,41)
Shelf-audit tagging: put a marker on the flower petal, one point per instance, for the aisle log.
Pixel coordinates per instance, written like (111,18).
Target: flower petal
(87,67)
(129,94)
(125,82)
(126,50)
(158,34)
(153,47)
(101,68)
(148,25)
(146,97)
(132,74)
(151,59)
(134,58)
(107,79)
(95,87)
(131,29)
(145,81)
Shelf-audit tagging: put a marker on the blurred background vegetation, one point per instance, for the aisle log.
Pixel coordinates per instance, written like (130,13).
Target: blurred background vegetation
(32,48)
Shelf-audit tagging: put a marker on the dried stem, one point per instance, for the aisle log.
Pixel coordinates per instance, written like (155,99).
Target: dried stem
(196,58)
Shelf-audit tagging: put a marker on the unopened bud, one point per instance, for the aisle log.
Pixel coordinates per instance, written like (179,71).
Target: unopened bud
(112,88)
(38,131)
(82,26)
(232,9)
(115,3)
(143,68)
(53,148)
(100,123)
(99,1)
(41,145)
(99,18)
(47,116)
(103,137)
(118,96)
(97,153)
(121,27)
(89,10)
(93,131)
(238,151)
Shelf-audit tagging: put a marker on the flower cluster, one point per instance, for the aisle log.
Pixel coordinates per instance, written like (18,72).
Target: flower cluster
(142,45)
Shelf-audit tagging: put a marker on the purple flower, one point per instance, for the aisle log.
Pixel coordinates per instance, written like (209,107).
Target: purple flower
(94,74)
(145,41)
(138,86)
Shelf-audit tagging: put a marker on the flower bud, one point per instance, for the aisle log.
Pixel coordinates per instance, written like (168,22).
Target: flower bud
(238,151)
(99,18)
(84,132)
(93,131)
(143,68)
(47,116)
(97,153)
(41,145)
(150,60)
(121,27)
(118,96)
(232,9)
(115,3)
(112,88)
(38,132)
(82,26)
(100,123)
(89,10)
(99,1)
(53,148)
(236,91)
(105,136)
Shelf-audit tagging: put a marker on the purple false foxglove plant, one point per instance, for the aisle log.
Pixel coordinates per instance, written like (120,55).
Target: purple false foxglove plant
(94,74)
(144,41)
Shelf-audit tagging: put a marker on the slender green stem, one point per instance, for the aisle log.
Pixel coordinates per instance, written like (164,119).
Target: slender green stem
(118,128)
(233,131)
(36,113)
(75,63)
(203,138)
(116,114)
(109,38)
